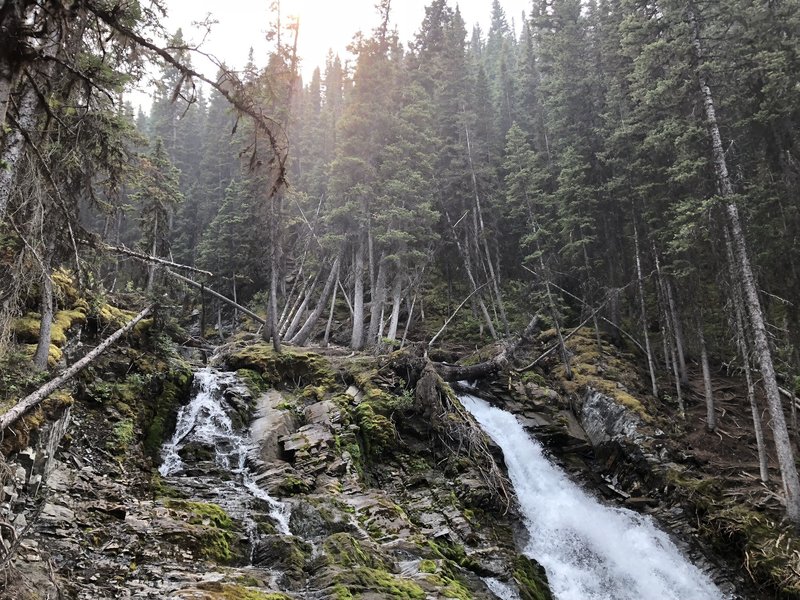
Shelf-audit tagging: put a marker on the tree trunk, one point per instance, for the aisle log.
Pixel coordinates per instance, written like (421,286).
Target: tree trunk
(235,301)
(301,310)
(711,415)
(305,332)
(151,269)
(275,333)
(482,234)
(408,321)
(357,340)
(376,305)
(32,400)
(46,324)
(13,146)
(643,313)
(330,315)
(204,289)
(677,328)
(783,446)
(396,300)
(464,252)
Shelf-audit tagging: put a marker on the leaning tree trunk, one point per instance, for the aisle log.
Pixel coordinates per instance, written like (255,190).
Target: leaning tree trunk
(357,340)
(747,281)
(677,328)
(30,402)
(327,336)
(305,332)
(396,300)
(298,311)
(741,342)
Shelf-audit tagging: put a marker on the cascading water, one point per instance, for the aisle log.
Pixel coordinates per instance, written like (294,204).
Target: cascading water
(204,420)
(589,551)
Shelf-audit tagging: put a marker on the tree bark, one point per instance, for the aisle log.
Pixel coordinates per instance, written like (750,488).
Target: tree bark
(677,328)
(32,400)
(13,146)
(396,300)
(330,315)
(408,321)
(219,296)
(464,252)
(376,305)
(783,446)
(357,340)
(151,269)
(651,367)
(45,326)
(305,332)
(504,357)
(711,415)
(301,310)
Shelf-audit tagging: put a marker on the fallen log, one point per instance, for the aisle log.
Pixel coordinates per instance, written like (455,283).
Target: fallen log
(218,296)
(450,372)
(34,399)
(153,259)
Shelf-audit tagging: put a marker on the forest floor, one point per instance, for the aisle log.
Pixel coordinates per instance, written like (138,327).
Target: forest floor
(730,453)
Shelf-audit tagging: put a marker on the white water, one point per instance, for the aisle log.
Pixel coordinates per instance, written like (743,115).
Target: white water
(204,420)
(589,551)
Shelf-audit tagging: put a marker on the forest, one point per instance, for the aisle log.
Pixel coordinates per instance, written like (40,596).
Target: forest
(628,169)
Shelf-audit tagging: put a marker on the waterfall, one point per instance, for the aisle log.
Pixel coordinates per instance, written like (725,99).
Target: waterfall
(205,420)
(589,551)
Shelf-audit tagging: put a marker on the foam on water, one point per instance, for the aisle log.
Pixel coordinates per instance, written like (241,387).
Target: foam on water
(589,551)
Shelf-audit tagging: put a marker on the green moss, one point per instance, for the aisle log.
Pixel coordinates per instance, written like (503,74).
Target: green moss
(202,513)
(253,380)
(209,529)
(453,552)
(427,566)
(531,579)
(63,321)
(26,328)
(290,367)
(292,485)
(113,316)
(343,550)
(378,432)
(160,412)
(122,437)
(237,591)
(359,579)
(54,353)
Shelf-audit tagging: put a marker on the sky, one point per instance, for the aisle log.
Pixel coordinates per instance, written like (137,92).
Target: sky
(324,24)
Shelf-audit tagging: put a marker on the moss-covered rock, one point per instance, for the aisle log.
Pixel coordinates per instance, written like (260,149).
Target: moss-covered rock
(230,591)
(208,530)
(531,579)
(290,367)
(357,580)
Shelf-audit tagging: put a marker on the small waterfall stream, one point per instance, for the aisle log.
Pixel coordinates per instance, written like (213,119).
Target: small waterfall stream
(206,421)
(589,551)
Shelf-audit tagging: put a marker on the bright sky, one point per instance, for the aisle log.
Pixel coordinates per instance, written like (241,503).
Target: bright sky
(324,24)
